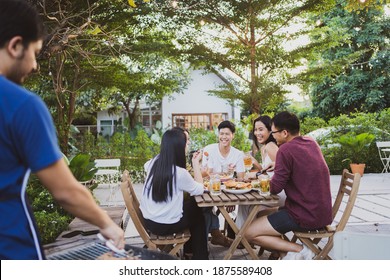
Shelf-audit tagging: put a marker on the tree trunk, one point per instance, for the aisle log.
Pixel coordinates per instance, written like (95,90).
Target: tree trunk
(132,113)
(254,106)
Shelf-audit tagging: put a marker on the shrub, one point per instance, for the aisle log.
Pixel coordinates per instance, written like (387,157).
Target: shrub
(356,146)
(310,124)
(82,167)
(357,123)
(51,218)
(50,225)
(200,138)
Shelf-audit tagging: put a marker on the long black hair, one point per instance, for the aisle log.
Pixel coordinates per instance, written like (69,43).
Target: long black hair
(163,172)
(267,121)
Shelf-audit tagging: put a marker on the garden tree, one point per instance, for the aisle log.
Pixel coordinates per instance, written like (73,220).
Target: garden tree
(84,39)
(79,41)
(352,76)
(243,42)
(148,77)
(358,5)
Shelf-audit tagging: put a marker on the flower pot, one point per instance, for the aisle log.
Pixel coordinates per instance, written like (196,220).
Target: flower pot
(358,168)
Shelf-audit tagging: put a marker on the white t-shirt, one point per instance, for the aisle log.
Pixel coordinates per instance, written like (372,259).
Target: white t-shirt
(215,160)
(170,211)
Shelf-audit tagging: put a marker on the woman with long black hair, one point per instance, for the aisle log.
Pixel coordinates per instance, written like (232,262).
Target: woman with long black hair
(163,206)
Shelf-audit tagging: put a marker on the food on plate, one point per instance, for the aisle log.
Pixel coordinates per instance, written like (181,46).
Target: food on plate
(231,184)
(244,186)
(206,154)
(255,184)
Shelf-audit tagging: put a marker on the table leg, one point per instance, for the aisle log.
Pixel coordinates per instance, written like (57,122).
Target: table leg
(240,232)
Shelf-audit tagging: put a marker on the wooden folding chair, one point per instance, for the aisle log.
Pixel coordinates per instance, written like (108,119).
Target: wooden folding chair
(168,243)
(346,195)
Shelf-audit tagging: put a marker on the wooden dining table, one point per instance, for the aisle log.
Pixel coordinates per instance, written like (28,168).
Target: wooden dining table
(252,197)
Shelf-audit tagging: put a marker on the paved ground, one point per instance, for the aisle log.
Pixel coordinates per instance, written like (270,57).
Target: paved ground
(371,214)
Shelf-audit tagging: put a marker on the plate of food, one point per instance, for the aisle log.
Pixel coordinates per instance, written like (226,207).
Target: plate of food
(237,187)
(237,191)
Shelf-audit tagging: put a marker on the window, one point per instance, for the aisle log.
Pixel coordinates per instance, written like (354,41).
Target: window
(149,117)
(205,121)
(106,127)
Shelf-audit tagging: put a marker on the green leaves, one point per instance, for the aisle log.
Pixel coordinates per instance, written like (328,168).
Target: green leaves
(350,74)
(82,167)
(356,146)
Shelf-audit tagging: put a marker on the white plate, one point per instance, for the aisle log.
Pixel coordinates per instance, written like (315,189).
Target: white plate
(239,191)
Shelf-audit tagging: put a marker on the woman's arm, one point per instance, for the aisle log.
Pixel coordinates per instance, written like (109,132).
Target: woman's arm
(271,150)
(196,166)
(256,164)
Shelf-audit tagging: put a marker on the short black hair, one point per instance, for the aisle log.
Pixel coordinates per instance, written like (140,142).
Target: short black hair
(227,124)
(286,121)
(19,18)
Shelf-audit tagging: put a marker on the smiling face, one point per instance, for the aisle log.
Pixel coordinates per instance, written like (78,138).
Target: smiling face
(225,137)
(261,132)
(279,135)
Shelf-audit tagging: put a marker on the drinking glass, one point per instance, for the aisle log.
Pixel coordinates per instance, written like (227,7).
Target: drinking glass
(215,185)
(248,162)
(264,184)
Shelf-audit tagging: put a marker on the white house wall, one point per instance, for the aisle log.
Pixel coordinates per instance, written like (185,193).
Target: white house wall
(197,100)
(103,115)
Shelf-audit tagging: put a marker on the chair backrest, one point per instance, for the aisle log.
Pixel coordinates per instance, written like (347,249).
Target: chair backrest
(108,163)
(383,150)
(132,205)
(384,144)
(349,187)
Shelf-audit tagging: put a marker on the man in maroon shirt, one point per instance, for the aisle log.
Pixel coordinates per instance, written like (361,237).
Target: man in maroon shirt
(301,171)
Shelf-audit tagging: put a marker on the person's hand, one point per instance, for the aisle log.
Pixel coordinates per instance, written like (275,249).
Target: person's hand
(231,167)
(115,233)
(196,157)
(205,171)
(269,167)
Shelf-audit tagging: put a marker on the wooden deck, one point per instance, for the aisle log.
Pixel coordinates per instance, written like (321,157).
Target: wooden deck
(82,232)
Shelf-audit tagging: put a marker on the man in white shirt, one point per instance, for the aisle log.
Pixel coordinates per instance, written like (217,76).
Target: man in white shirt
(215,158)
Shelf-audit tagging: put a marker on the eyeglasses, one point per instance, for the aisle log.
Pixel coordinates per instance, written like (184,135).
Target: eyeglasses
(273,132)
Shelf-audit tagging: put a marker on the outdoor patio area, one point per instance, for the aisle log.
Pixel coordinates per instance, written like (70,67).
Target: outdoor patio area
(371,214)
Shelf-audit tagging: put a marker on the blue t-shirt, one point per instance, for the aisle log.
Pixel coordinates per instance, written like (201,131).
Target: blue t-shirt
(28,142)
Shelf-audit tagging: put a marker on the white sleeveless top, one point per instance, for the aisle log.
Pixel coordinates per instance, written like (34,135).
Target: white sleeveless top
(267,160)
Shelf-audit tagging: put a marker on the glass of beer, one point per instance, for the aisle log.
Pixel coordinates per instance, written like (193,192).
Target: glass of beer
(248,162)
(264,184)
(215,185)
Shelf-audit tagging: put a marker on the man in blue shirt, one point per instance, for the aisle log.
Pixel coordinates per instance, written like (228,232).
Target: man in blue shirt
(28,143)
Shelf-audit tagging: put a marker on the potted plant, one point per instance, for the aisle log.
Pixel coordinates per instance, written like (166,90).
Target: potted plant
(84,170)
(355,146)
